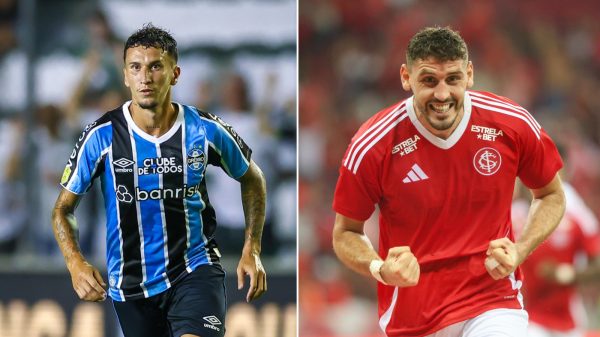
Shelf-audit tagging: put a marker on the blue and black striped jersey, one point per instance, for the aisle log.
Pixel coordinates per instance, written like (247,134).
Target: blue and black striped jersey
(160,223)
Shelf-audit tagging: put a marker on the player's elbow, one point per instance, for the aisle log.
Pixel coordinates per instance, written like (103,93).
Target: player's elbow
(336,239)
(561,202)
(253,176)
(339,238)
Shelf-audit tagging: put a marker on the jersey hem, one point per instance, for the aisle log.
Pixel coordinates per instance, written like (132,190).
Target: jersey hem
(447,322)
(349,214)
(139,296)
(68,189)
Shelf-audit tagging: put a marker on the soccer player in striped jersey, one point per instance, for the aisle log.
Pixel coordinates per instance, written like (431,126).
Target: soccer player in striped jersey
(441,166)
(164,275)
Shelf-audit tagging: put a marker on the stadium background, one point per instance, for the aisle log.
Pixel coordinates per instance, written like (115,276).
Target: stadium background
(544,54)
(60,68)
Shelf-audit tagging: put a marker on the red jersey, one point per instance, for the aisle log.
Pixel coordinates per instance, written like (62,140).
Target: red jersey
(446,200)
(550,305)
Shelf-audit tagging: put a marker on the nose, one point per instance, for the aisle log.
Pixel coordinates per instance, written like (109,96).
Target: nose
(146,76)
(441,92)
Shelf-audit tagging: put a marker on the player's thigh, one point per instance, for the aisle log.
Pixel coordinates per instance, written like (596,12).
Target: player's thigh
(141,318)
(197,303)
(498,323)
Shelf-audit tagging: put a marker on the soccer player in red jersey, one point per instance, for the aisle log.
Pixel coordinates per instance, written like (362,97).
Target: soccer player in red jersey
(441,165)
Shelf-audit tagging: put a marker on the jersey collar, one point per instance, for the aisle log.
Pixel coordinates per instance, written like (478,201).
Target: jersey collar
(435,140)
(148,137)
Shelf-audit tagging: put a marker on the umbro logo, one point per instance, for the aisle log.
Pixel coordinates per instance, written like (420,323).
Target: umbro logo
(415,174)
(213,320)
(122,165)
(123,162)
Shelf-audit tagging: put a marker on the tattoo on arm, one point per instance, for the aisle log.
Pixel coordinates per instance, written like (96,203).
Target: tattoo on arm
(65,225)
(254,194)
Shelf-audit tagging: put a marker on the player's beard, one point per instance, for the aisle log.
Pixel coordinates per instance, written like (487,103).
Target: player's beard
(147,103)
(148,106)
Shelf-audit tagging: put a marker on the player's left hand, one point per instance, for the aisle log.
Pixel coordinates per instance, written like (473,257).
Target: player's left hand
(250,265)
(502,258)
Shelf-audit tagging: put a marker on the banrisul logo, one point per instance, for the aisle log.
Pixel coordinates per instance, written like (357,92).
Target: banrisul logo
(196,158)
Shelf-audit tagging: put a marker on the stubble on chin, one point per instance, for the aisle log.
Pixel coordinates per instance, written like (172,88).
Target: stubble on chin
(146,106)
(438,124)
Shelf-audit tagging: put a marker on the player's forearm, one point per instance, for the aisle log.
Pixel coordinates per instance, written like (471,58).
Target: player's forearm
(65,233)
(545,214)
(254,195)
(354,250)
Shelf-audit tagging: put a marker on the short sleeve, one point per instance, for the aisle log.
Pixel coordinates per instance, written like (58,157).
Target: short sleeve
(539,159)
(356,193)
(226,148)
(85,159)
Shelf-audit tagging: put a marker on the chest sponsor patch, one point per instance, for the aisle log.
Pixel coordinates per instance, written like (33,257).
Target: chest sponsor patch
(406,146)
(487,161)
(486,133)
(160,165)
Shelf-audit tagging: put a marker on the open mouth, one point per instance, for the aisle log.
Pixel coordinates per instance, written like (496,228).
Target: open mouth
(441,107)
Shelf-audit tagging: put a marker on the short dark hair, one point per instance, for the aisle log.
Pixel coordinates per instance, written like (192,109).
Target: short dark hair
(151,36)
(441,43)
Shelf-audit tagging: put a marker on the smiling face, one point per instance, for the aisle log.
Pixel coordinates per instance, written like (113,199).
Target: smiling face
(149,74)
(439,91)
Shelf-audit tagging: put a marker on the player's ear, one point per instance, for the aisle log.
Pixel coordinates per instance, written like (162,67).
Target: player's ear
(125,78)
(404,77)
(470,74)
(176,73)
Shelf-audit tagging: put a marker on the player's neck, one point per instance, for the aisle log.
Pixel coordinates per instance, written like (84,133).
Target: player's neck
(156,121)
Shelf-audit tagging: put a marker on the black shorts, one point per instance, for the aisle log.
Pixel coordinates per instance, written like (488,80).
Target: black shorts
(194,305)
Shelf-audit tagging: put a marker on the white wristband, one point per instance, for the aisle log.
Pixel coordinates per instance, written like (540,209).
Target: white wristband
(375,268)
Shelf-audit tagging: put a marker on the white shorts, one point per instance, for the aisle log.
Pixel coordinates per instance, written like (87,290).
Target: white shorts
(536,330)
(493,323)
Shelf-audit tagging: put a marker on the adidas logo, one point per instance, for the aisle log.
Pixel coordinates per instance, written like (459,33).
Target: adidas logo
(415,174)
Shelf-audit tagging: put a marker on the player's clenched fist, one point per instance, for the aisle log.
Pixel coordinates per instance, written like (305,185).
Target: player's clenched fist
(400,268)
(502,258)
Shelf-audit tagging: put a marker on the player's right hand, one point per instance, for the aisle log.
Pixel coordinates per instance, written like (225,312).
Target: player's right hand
(87,282)
(400,268)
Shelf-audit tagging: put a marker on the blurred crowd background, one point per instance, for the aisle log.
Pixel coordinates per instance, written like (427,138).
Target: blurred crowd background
(543,54)
(61,68)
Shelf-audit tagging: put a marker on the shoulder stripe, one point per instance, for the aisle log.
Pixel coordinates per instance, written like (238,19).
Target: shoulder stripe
(370,133)
(533,127)
(231,134)
(86,137)
(374,141)
(497,102)
(78,150)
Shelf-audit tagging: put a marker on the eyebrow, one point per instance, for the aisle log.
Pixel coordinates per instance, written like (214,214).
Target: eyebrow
(429,72)
(149,64)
